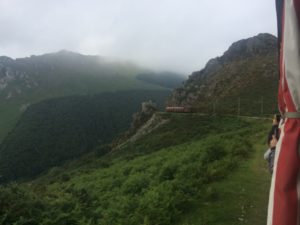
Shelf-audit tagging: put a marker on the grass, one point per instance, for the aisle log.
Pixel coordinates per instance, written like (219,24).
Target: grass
(209,171)
(242,198)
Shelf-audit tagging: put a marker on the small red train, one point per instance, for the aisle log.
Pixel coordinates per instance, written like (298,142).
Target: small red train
(178,109)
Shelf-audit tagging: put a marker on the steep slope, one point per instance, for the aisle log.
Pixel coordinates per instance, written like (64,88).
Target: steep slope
(55,130)
(191,170)
(183,169)
(26,81)
(62,73)
(243,79)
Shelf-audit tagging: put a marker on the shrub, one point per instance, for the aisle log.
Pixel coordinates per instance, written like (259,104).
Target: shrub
(136,183)
(168,171)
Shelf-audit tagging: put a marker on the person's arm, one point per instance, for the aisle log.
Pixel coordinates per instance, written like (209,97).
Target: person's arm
(267,154)
(273,142)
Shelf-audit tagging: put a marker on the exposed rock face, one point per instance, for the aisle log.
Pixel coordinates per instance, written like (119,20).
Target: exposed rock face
(142,123)
(251,47)
(140,118)
(154,122)
(13,80)
(245,69)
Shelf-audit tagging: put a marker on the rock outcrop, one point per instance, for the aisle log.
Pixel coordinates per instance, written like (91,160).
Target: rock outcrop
(140,118)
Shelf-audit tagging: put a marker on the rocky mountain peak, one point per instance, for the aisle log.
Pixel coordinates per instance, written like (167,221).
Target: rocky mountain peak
(5,59)
(66,52)
(257,45)
(248,65)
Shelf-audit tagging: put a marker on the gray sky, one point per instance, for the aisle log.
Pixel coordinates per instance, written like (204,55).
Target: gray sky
(177,35)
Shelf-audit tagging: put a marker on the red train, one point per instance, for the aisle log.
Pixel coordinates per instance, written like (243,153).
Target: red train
(179,109)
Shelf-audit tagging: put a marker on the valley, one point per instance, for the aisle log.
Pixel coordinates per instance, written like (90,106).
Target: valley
(78,149)
(27,81)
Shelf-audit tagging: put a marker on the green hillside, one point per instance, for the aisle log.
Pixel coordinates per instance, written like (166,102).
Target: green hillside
(52,131)
(26,81)
(244,80)
(191,170)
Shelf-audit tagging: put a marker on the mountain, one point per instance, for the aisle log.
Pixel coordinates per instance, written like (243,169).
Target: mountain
(243,80)
(26,81)
(174,168)
(55,130)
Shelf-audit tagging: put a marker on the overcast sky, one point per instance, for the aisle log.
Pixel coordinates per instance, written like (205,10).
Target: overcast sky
(177,35)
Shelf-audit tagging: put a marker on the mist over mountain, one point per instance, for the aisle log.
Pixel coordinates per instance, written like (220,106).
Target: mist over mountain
(166,79)
(49,72)
(85,135)
(25,81)
(246,71)
(171,169)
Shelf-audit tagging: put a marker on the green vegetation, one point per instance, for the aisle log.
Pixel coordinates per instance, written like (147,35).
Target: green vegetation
(251,89)
(243,195)
(244,81)
(192,170)
(55,130)
(61,74)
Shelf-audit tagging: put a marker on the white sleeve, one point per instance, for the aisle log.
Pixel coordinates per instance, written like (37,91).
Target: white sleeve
(267,153)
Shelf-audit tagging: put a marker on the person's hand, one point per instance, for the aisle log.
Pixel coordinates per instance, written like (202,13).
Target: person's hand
(274,122)
(273,142)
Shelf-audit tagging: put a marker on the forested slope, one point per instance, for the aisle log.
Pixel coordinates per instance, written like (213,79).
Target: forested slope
(26,81)
(56,130)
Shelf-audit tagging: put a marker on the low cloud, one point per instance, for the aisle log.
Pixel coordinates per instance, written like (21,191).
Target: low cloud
(167,34)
